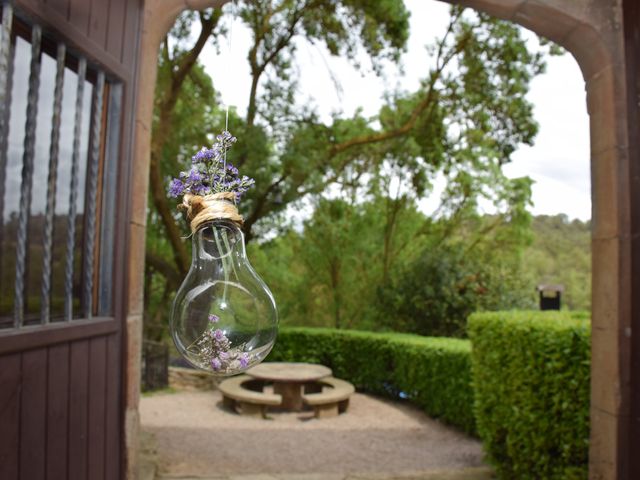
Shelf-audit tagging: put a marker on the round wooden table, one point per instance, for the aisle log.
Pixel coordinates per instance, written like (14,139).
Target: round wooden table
(288,379)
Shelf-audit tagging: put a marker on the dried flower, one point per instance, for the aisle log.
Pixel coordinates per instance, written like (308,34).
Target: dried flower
(216,364)
(219,335)
(244,360)
(176,188)
(213,318)
(210,173)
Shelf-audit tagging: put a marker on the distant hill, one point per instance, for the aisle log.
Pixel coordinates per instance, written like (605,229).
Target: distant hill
(561,253)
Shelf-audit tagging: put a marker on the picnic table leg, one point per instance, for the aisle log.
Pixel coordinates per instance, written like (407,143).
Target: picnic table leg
(291,395)
(328,410)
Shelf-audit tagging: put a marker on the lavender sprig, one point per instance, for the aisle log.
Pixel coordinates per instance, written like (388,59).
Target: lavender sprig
(210,174)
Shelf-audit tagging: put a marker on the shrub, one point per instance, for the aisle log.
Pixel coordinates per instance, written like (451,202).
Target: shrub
(531,373)
(433,373)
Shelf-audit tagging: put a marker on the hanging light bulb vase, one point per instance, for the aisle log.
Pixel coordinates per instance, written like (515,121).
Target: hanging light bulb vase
(224,318)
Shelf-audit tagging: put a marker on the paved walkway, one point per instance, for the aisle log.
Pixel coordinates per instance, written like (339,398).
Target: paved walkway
(481,473)
(192,437)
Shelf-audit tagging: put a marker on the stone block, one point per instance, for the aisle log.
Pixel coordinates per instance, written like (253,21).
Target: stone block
(609,382)
(547,20)
(134,360)
(606,431)
(190,379)
(608,184)
(140,174)
(137,248)
(132,442)
(606,272)
(589,47)
(606,104)
(504,9)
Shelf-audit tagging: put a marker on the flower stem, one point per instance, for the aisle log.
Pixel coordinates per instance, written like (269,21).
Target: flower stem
(224,264)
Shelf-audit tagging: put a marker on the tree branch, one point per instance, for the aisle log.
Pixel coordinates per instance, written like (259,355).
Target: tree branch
(166,107)
(161,266)
(442,61)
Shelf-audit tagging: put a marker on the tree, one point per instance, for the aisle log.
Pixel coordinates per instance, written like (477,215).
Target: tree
(465,121)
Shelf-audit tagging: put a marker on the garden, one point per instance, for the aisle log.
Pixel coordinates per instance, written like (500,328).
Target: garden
(400,252)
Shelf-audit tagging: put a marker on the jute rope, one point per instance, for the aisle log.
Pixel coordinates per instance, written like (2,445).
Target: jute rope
(202,209)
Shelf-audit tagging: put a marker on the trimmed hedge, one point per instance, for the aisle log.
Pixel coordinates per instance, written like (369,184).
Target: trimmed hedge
(433,373)
(531,373)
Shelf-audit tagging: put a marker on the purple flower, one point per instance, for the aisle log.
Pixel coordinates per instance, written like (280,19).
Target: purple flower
(232,169)
(210,173)
(176,188)
(225,138)
(224,355)
(213,318)
(244,360)
(219,335)
(216,364)
(199,190)
(202,156)
(195,176)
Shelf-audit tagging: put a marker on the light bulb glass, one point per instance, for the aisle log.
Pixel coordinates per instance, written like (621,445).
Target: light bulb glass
(224,318)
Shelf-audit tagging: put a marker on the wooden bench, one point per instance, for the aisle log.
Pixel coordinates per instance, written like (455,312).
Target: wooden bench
(329,402)
(244,395)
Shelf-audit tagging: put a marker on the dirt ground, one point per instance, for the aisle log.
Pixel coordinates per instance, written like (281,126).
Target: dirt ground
(196,437)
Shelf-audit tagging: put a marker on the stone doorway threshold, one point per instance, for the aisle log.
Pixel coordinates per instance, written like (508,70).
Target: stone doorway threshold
(478,473)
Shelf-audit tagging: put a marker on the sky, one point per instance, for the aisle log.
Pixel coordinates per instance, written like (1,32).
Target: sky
(558,162)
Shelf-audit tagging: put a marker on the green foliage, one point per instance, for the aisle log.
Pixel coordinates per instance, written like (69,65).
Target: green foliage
(383,265)
(356,251)
(531,374)
(433,373)
(435,294)
(561,254)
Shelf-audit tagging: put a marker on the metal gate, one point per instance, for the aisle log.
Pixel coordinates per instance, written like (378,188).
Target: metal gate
(66,75)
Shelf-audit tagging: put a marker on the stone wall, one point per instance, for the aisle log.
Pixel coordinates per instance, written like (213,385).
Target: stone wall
(190,379)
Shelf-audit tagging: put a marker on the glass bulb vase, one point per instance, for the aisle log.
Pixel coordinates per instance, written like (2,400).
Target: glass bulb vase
(224,318)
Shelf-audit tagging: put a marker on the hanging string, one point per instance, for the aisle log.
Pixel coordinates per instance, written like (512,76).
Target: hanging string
(229,58)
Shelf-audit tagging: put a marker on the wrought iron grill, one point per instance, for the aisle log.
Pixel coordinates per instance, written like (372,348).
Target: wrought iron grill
(58,169)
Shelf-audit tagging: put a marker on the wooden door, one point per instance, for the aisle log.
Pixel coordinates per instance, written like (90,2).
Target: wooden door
(67,72)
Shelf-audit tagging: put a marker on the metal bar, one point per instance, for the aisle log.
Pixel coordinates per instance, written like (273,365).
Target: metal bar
(54,150)
(6,85)
(108,206)
(73,195)
(27,175)
(92,175)
(7,52)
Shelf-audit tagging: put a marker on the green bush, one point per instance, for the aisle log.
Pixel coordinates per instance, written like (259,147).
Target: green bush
(531,373)
(433,373)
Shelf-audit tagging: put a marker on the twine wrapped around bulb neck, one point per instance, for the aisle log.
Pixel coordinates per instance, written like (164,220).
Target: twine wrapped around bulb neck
(203,209)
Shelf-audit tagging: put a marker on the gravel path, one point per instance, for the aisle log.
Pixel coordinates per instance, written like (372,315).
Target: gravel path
(196,437)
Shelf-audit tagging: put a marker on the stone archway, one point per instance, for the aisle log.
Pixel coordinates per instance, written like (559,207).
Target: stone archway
(592,31)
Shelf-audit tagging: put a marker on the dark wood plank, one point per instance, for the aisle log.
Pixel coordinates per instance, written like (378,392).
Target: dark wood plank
(97,390)
(75,33)
(131,33)
(57,411)
(98,19)
(631,12)
(33,414)
(10,375)
(115,30)
(112,410)
(79,11)
(41,335)
(60,6)
(78,414)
